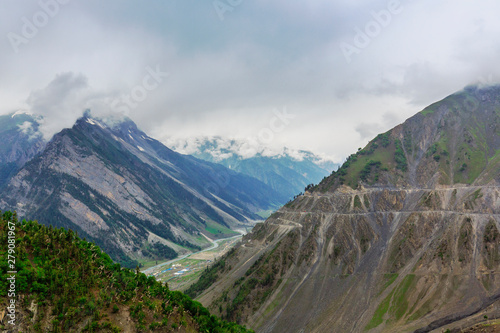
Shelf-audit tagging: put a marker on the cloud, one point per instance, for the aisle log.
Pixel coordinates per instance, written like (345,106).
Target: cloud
(60,103)
(227,77)
(64,99)
(26,127)
(368,131)
(30,130)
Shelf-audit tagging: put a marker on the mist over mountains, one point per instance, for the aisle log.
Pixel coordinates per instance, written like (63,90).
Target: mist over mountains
(405,232)
(21,141)
(240,166)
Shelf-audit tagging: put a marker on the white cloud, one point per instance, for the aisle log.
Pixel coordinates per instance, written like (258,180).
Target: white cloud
(227,76)
(59,102)
(26,127)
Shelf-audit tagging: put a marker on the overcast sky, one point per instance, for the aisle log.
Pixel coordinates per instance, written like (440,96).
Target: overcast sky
(337,72)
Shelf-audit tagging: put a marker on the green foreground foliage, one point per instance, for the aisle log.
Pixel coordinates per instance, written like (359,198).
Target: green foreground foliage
(73,282)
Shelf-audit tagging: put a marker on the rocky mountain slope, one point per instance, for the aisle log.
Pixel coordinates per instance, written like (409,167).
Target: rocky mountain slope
(287,171)
(134,197)
(21,141)
(65,284)
(404,237)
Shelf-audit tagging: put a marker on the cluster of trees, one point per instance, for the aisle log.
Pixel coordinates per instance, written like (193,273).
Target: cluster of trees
(399,157)
(76,280)
(367,169)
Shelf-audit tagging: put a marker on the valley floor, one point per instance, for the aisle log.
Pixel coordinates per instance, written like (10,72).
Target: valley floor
(181,272)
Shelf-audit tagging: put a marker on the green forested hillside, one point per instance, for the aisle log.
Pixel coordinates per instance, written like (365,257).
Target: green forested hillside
(66,284)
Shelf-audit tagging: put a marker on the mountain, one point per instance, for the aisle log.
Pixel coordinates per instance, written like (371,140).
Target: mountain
(286,171)
(404,237)
(137,199)
(65,284)
(21,141)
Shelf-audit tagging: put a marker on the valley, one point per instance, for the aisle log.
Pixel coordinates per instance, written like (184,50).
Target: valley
(93,293)
(235,166)
(403,237)
(136,198)
(181,272)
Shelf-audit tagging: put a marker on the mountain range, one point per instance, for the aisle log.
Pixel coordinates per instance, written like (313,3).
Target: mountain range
(403,237)
(287,171)
(136,198)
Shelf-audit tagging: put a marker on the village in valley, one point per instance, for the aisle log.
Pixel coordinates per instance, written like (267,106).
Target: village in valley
(181,273)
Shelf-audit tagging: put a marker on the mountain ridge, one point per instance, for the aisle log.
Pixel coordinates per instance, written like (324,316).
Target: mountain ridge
(396,160)
(286,171)
(95,178)
(396,240)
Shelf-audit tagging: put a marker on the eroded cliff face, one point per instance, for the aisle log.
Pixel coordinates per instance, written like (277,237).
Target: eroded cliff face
(374,259)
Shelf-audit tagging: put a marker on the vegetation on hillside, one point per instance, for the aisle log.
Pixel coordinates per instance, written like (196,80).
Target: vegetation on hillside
(65,284)
(381,154)
(455,139)
(405,228)
(209,276)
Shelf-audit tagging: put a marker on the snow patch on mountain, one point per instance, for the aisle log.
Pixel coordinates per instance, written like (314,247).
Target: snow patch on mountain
(20,111)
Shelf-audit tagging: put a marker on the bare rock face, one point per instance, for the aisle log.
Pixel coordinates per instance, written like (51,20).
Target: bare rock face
(134,197)
(397,240)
